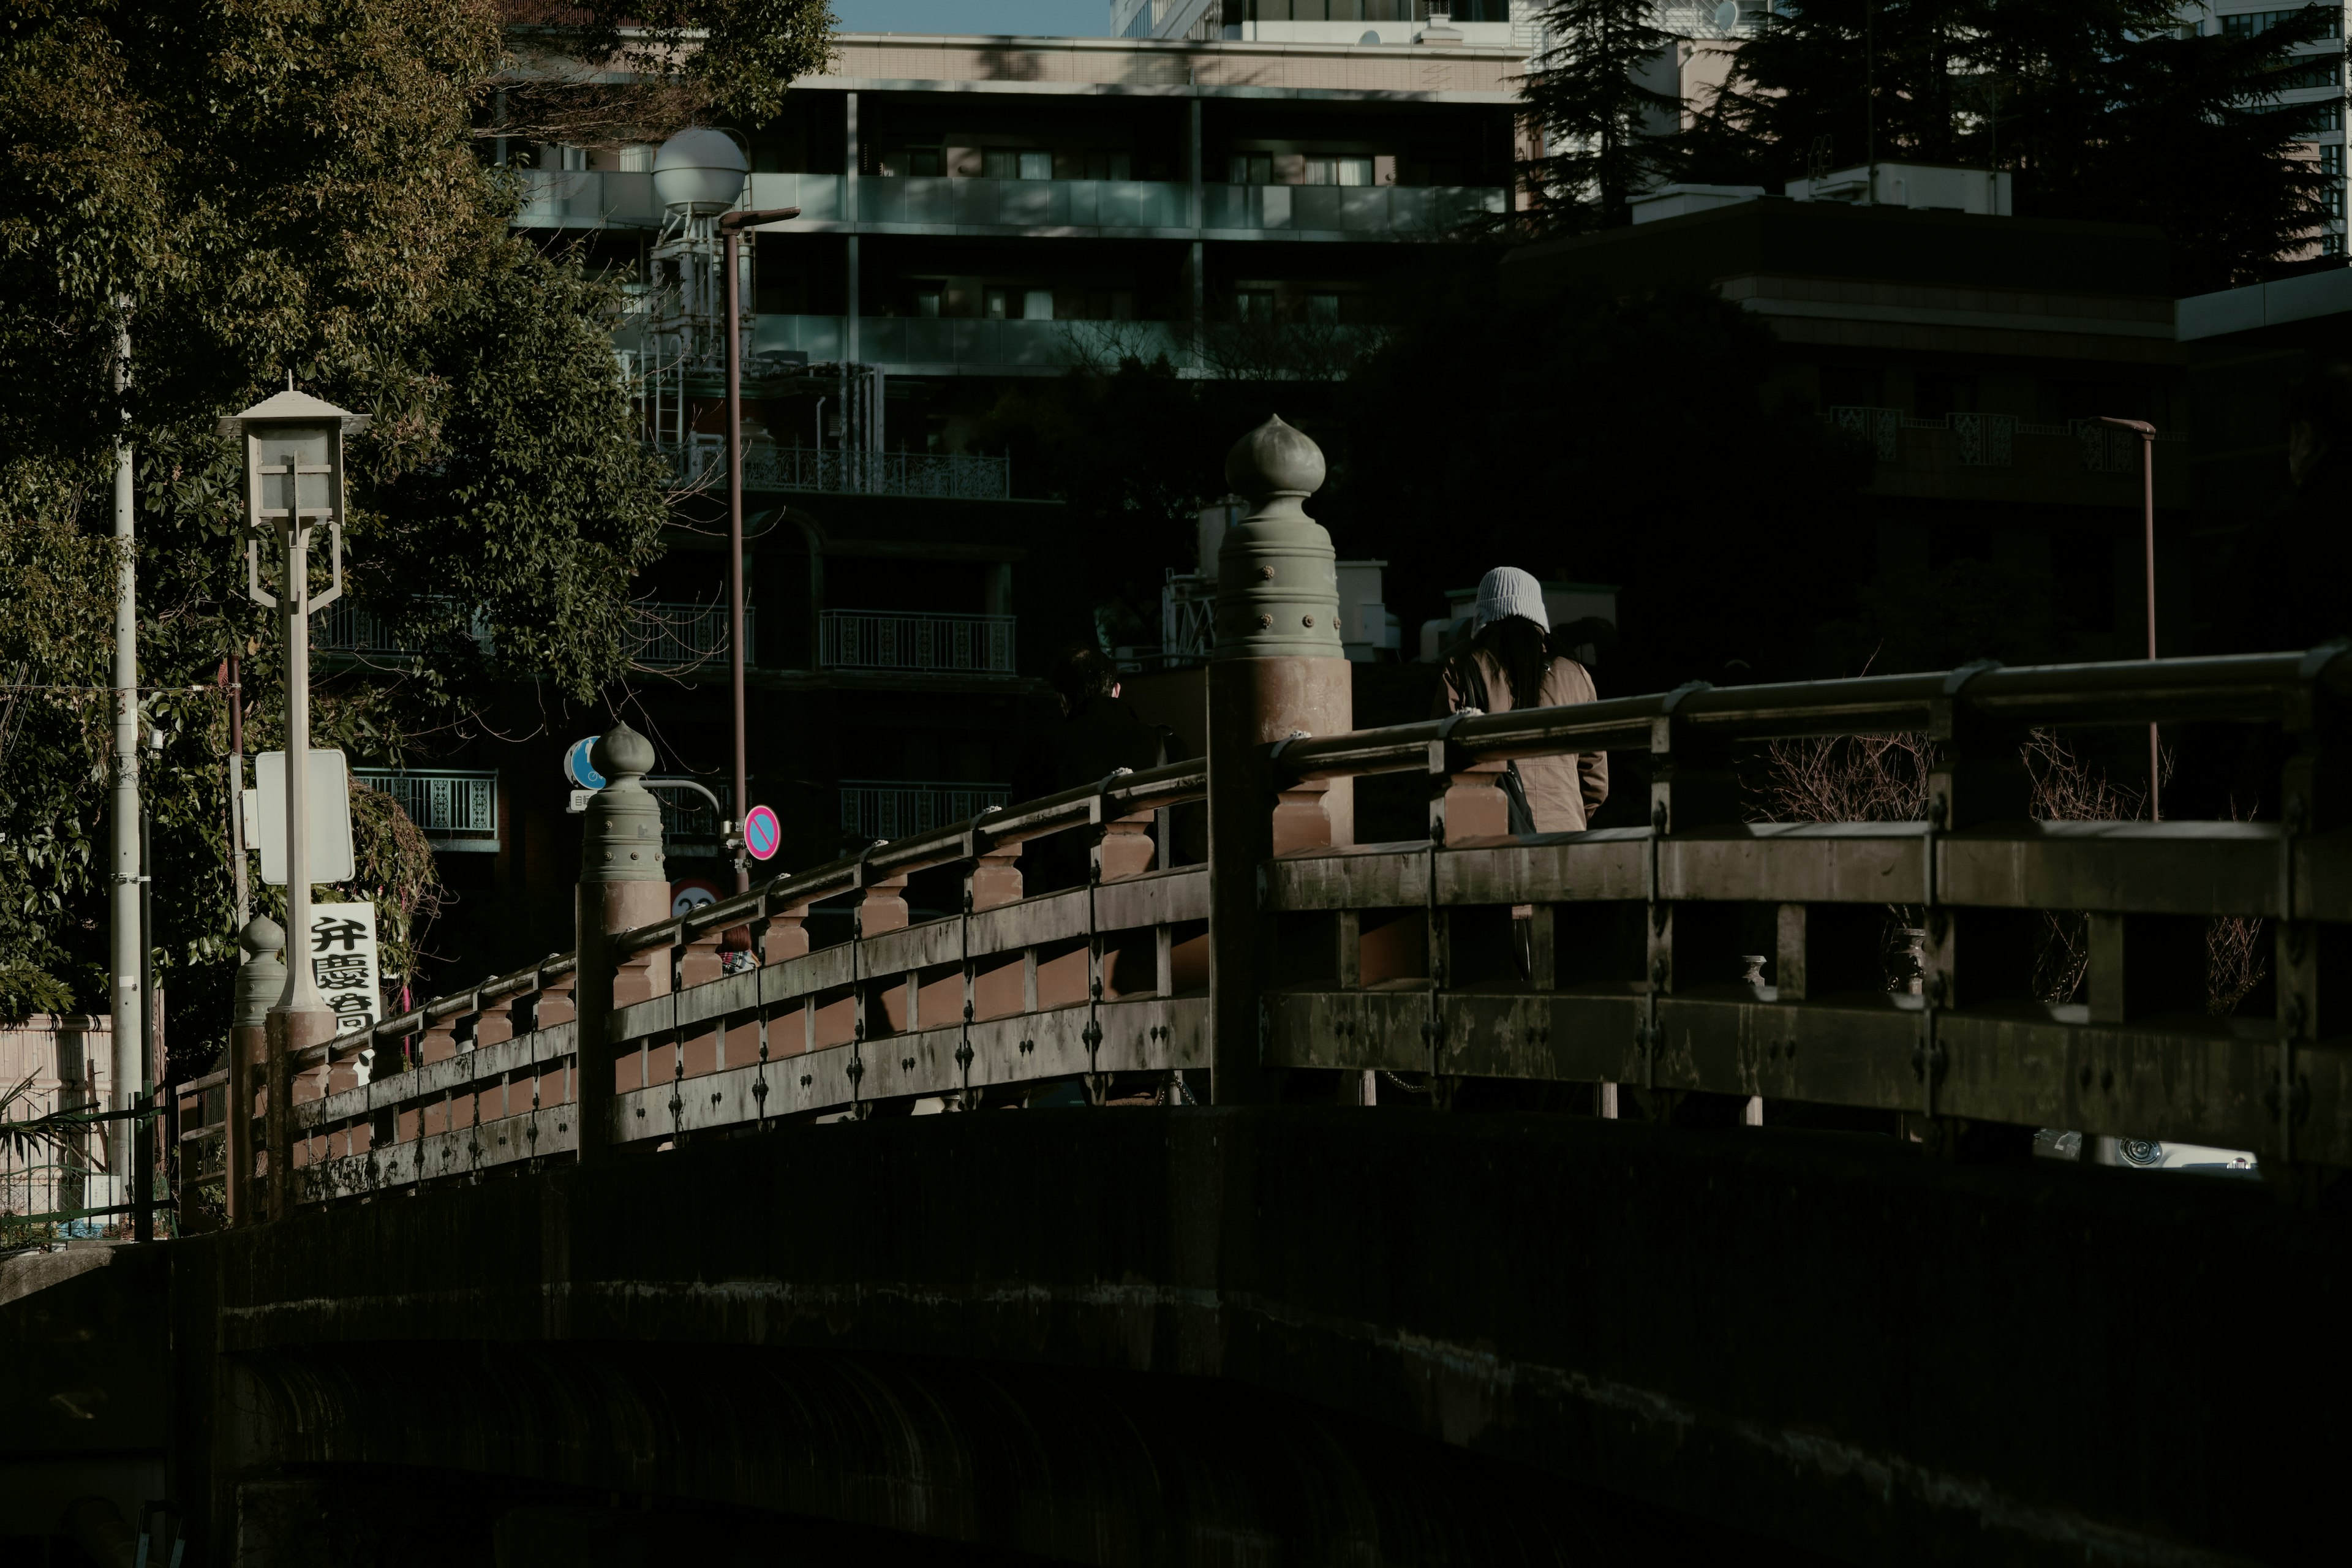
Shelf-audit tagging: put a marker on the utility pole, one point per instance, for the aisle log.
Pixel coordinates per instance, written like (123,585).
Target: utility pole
(124,957)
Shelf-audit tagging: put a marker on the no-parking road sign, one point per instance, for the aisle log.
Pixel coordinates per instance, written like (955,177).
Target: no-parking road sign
(763,833)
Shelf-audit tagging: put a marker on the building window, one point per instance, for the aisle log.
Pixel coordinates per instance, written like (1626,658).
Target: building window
(2331,245)
(1254,305)
(2331,200)
(1093,166)
(1323,170)
(2249,24)
(1250,169)
(1323,307)
(1017,163)
(2331,158)
(926,299)
(1018,304)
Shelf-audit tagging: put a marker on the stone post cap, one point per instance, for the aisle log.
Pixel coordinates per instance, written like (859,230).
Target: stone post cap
(1277,579)
(623,841)
(1274,460)
(621,753)
(261,978)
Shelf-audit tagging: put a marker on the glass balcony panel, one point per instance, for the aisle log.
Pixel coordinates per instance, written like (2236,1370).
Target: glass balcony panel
(817,196)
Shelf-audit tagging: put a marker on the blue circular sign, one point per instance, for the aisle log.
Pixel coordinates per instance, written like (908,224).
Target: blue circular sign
(762,833)
(579,769)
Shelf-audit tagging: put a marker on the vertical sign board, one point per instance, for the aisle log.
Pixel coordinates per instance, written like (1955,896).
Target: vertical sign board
(344,967)
(329,810)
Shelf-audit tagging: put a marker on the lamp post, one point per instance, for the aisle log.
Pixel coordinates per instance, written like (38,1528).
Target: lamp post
(293,481)
(730,228)
(2146,433)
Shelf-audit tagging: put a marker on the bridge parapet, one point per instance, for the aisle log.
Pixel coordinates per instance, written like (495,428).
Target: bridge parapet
(1606,963)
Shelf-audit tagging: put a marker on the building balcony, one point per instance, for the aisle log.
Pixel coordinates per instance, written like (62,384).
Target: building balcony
(896,641)
(944,475)
(1353,210)
(969,346)
(893,808)
(459,811)
(601,198)
(586,198)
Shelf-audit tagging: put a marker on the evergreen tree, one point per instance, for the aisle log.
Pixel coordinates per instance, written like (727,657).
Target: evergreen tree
(2102,108)
(1607,133)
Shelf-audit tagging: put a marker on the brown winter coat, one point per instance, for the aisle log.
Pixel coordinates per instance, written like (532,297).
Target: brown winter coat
(1564,791)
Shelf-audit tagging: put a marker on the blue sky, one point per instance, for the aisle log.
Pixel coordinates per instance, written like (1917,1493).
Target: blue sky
(1080,18)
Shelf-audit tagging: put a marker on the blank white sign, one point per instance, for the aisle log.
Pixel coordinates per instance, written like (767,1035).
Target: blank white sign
(328,809)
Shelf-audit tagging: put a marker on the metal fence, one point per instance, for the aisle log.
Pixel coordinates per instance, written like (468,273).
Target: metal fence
(887,808)
(768,466)
(457,810)
(887,639)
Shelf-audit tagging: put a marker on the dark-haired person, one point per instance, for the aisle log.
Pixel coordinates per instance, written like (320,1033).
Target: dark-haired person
(1096,735)
(1509,664)
(2290,585)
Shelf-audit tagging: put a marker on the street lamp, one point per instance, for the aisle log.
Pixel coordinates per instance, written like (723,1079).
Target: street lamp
(293,482)
(731,227)
(2146,433)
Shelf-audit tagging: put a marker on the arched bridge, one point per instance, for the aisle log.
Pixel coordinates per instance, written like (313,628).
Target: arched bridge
(1467,1199)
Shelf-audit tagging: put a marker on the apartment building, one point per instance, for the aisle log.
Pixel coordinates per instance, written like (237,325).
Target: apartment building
(974,211)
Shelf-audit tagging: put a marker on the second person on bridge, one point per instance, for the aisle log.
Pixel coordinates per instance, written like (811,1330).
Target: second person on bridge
(1510,664)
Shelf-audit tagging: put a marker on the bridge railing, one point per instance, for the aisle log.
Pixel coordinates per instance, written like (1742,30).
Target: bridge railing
(1611,959)
(1615,972)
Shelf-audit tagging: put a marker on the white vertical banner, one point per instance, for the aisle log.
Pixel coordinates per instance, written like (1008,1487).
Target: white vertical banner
(341,949)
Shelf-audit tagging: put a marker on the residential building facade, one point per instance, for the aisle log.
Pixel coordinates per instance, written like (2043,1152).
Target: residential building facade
(974,213)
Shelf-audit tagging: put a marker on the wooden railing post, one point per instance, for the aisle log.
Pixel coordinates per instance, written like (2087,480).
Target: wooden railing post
(622,885)
(1278,669)
(260,981)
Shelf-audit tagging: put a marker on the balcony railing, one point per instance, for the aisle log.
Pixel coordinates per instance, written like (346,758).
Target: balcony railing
(892,808)
(891,640)
(586,198)
(949,476)
(1349,209)
(1990,440)
(343,627)
(668,636)
(942,345)
(598,198)
(1023,203)
(457,810)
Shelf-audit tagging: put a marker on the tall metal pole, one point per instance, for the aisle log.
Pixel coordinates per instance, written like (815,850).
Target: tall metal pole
(236,844)
(2147,434)
(125,958)
(743,796)
(2147,515)
(731,227)
(294,623)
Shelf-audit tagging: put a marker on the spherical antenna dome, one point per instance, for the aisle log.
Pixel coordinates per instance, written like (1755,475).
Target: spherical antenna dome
(1274,460)
(699,169)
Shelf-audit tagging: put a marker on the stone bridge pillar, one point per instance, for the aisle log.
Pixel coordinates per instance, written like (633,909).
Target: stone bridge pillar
(260,981)
(622,885)
(1278,669)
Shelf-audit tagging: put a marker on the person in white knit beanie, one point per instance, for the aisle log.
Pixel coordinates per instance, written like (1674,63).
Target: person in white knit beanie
(1508,590)
(1509,664)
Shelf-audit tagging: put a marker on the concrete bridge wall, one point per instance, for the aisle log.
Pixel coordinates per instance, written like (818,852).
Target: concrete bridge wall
(1195,1336)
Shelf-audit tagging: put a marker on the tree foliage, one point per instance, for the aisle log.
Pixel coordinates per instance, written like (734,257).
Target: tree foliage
(2101,109)
(598,74)
(260,188)
(1608,135)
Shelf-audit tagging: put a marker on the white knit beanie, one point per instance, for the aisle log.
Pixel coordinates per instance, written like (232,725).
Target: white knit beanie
(1508,590)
